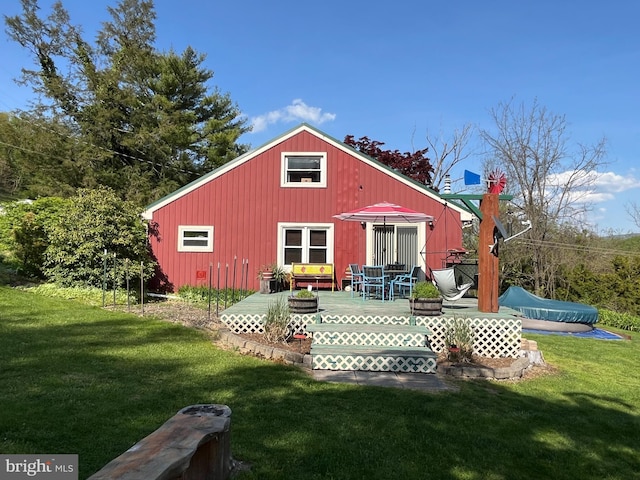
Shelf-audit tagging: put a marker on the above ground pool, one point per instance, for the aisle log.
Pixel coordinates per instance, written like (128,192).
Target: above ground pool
(544,314)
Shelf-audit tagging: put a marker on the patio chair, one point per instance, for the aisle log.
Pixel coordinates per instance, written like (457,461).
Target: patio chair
(445,282)
(356,277)
(373,279)
(401,282)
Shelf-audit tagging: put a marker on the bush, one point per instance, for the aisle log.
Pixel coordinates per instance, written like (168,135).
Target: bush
(425,290)
(624,321)
(200,294)
(24,232)
(95,222)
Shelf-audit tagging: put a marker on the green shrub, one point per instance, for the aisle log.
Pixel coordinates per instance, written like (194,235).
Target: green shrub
(624,321)
(24,232)
(95,222)
(200,294)
(425,290)
(304,294)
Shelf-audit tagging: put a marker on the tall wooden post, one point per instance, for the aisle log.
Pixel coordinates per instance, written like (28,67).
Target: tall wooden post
(488,265)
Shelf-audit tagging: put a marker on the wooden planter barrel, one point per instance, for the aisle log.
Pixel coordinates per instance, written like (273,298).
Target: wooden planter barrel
(426,306)
(303,305)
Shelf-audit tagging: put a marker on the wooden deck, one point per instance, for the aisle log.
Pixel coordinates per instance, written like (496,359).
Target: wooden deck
(350,333)
(342,303)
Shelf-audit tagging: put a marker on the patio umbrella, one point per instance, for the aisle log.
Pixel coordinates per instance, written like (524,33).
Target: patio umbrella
(383,212)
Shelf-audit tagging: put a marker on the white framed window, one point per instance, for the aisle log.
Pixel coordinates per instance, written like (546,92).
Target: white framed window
(195,238)
(304,170)
(305,243)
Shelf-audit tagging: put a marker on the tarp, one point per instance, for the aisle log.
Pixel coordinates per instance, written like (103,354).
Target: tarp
(595,333)
(539,308)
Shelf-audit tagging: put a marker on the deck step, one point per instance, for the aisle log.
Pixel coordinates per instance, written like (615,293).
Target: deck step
(356,327)
(373,358)
(405,336)
(371,349)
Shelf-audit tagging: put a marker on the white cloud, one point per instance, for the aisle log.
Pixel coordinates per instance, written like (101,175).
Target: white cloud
(612,182)
(597,187)
(297,111)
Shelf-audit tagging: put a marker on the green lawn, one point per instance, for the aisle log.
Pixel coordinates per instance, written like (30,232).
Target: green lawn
(78,379)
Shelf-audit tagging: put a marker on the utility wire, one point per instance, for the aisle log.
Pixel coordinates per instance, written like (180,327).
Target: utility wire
(578,248)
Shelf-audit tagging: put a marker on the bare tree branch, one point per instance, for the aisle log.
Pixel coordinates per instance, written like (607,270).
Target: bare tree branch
(447,152)
(633,209)
(548,179)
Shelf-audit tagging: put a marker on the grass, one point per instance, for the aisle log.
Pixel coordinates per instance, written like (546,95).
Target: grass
(79,379)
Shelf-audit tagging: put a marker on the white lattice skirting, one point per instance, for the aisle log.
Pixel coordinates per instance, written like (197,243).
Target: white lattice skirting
(493,337)
(374,363)
(365,338)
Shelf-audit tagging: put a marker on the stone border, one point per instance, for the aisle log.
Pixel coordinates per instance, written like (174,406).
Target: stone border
(515,370)
(265,351)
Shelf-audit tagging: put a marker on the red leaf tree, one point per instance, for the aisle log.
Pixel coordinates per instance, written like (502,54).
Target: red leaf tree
(413,165)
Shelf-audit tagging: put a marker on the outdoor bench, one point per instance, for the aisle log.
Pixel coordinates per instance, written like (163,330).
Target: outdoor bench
(311,273)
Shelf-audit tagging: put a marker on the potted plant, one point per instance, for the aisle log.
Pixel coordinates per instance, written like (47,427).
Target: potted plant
(425,299)
(265,275)
(272,278)
(304,301)
(458,340)
(279,276)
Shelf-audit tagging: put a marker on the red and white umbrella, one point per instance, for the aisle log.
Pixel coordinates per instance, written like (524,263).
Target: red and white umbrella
(383,212)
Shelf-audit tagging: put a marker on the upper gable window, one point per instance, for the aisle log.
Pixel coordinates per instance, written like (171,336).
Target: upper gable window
(307,170)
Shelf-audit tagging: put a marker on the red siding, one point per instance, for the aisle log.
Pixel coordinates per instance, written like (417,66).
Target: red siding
(246,203)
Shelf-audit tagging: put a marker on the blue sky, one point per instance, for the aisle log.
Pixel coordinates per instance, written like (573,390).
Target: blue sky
(394,71)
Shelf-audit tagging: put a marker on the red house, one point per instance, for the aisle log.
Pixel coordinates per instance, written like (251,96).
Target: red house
(276,204)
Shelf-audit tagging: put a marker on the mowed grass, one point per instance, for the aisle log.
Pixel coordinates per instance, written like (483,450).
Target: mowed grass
(78,379)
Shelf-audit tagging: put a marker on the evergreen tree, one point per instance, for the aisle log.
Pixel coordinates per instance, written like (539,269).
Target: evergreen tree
(146,122)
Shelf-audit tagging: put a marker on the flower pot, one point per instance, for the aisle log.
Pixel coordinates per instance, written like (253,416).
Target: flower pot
(303,305)
(266,278)
(426,306)
(454,354)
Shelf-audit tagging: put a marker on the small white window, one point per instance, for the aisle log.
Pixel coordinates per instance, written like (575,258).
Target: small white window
(304,170)
(195,238)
